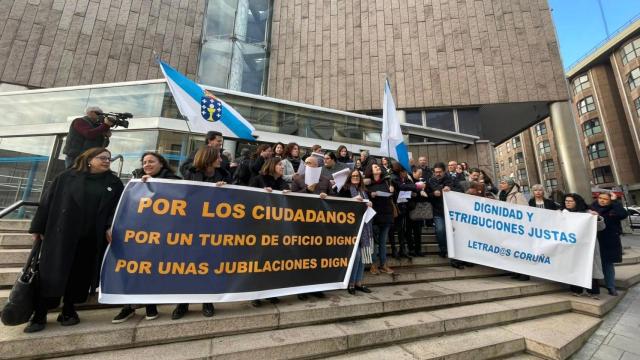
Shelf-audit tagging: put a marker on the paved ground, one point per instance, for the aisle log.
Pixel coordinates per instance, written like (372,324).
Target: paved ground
(618,338)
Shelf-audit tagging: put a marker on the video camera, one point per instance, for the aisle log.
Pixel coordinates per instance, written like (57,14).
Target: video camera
(118,119)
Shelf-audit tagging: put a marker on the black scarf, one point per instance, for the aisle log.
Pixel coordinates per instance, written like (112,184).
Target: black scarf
(295,162)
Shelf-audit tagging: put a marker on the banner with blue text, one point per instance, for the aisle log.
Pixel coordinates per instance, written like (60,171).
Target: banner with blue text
(177,241)
(553,245)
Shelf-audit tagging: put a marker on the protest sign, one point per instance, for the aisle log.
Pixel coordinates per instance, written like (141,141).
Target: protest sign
(183,241)
(549,244)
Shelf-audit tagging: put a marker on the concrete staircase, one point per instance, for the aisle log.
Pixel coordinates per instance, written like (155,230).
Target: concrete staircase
(426,310)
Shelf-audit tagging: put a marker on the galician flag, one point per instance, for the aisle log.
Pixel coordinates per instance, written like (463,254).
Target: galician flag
(203,110)
(392,142)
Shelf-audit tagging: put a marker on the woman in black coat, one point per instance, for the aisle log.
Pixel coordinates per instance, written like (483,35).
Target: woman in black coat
(538,200)
(609,238)
(155,166)
(270,177)
(73,221)
(383,220)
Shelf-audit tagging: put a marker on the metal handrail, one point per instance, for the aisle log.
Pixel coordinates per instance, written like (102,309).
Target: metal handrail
(121,158)
(15,206)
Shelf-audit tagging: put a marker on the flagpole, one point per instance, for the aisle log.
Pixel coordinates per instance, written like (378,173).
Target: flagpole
(384,91)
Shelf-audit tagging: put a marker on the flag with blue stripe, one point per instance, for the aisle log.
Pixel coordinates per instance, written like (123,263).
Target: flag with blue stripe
(392,142)
(204,111)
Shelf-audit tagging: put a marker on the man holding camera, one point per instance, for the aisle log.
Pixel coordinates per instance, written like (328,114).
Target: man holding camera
(85,133)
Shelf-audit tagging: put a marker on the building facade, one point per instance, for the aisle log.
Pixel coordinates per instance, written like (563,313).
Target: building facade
(530,158)
(464,74)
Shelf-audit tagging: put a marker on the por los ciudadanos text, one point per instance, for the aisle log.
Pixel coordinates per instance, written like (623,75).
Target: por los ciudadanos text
(228,243)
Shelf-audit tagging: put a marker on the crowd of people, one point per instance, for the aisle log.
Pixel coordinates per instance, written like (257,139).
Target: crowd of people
(75,214)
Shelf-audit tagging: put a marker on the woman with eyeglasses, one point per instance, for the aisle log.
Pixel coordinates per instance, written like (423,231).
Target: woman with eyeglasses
(609,238)
(575,203)
(73,222)
(355,189)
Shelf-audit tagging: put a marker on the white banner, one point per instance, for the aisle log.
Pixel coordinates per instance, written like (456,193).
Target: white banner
(548,244)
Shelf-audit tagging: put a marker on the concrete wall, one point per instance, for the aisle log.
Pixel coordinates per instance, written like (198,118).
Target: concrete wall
(46,43)
(436,53)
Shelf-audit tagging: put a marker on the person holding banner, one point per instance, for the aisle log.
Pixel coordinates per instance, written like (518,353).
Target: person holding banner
(73,220)
(381,194)
(155,166)
(355,189)
(270,177)
(575,203)
(206,168)
(609,239)
(538,200)
(510,192)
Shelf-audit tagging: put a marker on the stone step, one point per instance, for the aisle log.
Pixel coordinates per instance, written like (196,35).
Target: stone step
(15,240)
(95,332)
(407,274)
(552,337)
(13,257)
(627,276)
(321,340)
(630,256)
(8,275)
(14,225)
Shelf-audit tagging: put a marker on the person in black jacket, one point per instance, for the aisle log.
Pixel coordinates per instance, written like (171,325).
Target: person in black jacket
(215,140)
(270,177)
(263,152)
(609,238)
(73,221)
(378,188)
(156,166)
(415,225)
(538,200)
(402,223)
(206,168)
(439,183)
(343,155)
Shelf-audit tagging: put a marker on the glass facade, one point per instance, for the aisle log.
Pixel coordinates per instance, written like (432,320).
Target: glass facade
(580,83)
(469,121)
(235,44)
(602,175)
(541,129)
(597,150)
(442,120)
(591,127)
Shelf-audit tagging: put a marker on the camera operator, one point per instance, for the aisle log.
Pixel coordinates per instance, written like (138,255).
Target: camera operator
(85,133)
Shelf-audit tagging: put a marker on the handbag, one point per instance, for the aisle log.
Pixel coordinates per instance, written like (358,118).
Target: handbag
(22,298)
(422,211)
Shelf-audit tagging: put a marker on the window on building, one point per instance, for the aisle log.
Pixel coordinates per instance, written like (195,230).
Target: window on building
(591,127)
(636,102)
(510,162)
(634,78)
(631,51)
(234,54)
(548,166)
(541,128)
(469,122)
(551,184)
(597,150)
(515,142)
(585,105)
(602,175)
(525,189)
(519,158)
(580,83)
(414,117)
(509,146)
(441,120)
(522,174)
(544,147)
(501,165)
(500,151)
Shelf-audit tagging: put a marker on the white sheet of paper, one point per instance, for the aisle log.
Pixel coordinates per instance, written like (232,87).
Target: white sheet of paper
(341,177)
(402,200)
(404,195)
(369,214)
(383,193)
(312,175)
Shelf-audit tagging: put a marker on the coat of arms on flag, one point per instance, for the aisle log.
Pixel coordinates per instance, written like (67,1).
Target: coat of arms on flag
(211,107)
